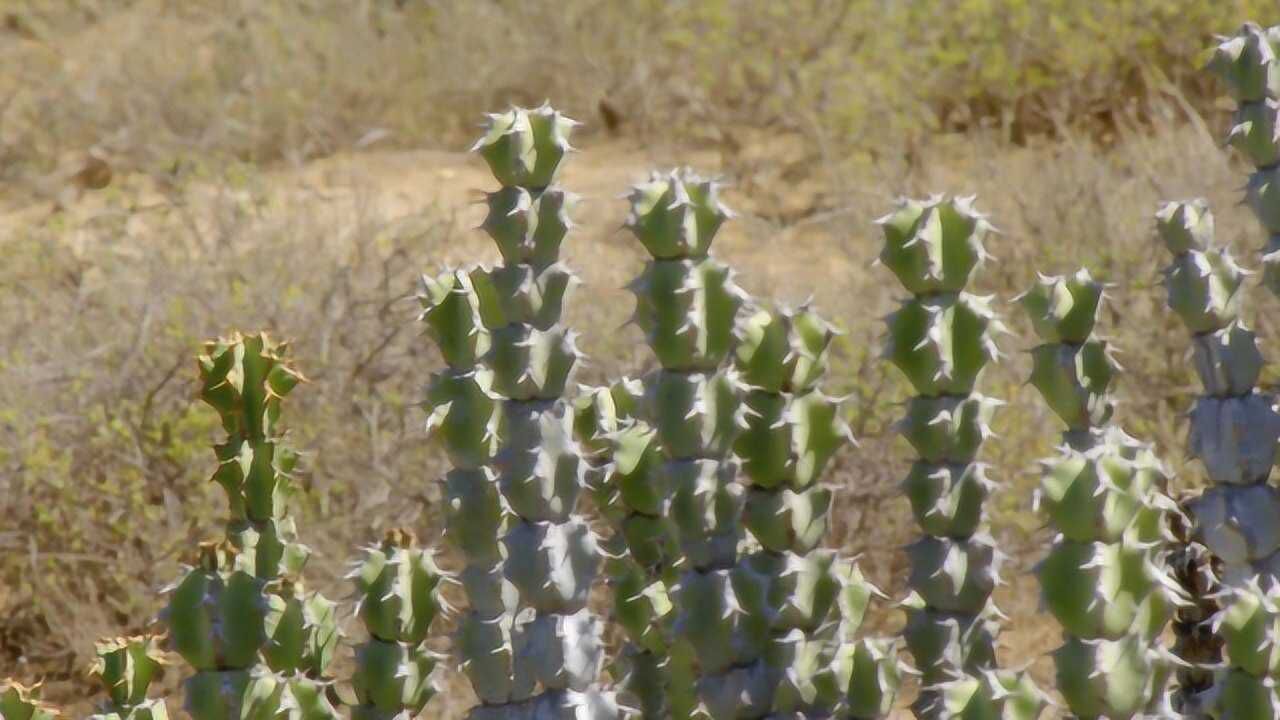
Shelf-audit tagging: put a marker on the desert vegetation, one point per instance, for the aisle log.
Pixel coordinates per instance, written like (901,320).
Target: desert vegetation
(633,486)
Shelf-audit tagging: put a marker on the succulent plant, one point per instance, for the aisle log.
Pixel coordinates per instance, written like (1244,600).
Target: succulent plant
(21,702)
(126,667)
(668,485)
(941,340)
(1246,63)
(1234,429)
(527,642)
(241,618)
(1106,578)
(397,600)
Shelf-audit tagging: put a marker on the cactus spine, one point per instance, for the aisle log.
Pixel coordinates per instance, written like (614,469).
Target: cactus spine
(259,643)
(941,339)
(397,600)
(687,304)
(1105,578)
(20,702)
(1234,429)
(126,667)
(1247,64)
(528,643)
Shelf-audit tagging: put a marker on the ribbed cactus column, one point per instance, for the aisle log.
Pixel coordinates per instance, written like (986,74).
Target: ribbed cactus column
(528,643)
(397,600)
(687,304)
(941,340)
(258,641)
(1247,63)
(126,667)
(631,492)
(1234,429)
(814,666)
(20,702)
(1105,579)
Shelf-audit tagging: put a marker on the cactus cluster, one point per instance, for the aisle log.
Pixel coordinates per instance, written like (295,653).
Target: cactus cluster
(241,618)
(1106,578)
(1247,63)
(941,340)
(397,599)
(125,667)
(527,642)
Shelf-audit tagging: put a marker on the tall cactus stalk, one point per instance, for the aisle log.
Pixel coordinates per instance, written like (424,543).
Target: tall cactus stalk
(1105,579)
(1247,64)
(397,600)
(941,339)
(22,702)
(1234,429)
(528,643)
(687,304)
(259,643)
(126,667)
(814,665)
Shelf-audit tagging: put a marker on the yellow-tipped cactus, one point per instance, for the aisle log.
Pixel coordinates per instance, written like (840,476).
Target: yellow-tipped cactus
(126,667)
(1105,579)
(942,339)
(22,702)
(258,641)
(527,642)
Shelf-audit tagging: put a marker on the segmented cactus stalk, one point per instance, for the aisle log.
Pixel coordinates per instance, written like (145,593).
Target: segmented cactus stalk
(397,600)
(1106,578)
(814,665)
(630,492)
(528,643)
(21,702)
(941,339)
(1247,64)
(258,641)
(1234,429)
(126,667)
(687,304)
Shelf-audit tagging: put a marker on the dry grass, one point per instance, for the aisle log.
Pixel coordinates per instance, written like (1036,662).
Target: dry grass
(104,448)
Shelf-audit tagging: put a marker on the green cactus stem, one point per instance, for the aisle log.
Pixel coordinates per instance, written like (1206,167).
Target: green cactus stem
(941,340)
(1106,578)
(397,596)
(1247,64)
(1234,429)
(125,667)
(241,617)
(22,702)
(528,643)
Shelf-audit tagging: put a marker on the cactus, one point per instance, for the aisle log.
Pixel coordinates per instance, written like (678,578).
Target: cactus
(397,600)
(528,643)
(941,340)
(126,667)
(815,601)
(1105,579)
(20,702)
(1246,62)
(671,485)
(1234,429)
(241,618)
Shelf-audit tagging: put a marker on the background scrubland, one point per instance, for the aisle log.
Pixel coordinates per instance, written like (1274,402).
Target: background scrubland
(171,170)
